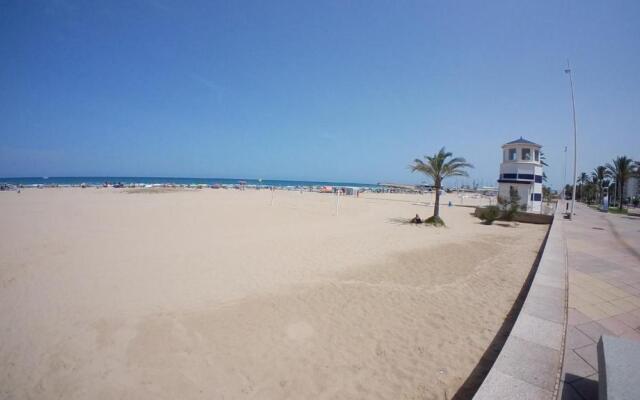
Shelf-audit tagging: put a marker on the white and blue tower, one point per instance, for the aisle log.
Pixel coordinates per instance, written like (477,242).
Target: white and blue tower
(521,168)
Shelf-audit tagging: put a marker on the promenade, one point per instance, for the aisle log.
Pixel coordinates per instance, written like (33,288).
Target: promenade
(604,292)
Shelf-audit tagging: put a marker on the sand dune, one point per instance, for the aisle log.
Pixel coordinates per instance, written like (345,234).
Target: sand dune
(217,294)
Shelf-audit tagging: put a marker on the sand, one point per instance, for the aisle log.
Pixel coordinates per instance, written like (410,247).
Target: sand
(218,294)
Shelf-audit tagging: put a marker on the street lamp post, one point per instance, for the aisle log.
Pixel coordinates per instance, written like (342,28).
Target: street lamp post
(564,177)
(575,140)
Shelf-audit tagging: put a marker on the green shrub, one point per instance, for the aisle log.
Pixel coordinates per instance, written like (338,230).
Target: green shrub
(511,206)
(490,214)
(435,221)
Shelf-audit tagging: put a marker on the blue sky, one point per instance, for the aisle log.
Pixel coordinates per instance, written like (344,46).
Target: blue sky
(331,90)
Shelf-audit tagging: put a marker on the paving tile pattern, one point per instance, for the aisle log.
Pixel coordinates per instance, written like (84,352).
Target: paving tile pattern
(529,364)
(587,285)
(604,293)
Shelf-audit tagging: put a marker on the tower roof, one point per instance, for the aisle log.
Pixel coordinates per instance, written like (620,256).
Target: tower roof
(523,141)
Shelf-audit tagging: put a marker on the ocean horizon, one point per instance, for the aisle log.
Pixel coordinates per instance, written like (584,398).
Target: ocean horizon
(145,180)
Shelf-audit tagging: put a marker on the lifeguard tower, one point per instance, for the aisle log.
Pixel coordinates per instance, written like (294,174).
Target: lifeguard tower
(521,168)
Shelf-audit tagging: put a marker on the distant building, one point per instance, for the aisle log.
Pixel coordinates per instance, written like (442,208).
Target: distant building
(521,169)
(632,187)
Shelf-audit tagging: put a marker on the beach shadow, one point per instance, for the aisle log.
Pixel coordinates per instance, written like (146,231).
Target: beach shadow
(489,357)
(398,221)
(402,221)
(502,224)
(505,224)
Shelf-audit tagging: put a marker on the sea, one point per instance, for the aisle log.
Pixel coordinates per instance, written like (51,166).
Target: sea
(145,180)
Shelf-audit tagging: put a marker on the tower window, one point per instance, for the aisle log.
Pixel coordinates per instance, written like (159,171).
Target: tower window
(537,155)
(513,155)
(526,154)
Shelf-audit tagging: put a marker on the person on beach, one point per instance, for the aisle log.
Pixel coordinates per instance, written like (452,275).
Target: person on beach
(416,220)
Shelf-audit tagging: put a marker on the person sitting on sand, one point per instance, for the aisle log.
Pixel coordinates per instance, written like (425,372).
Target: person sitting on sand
(416,220)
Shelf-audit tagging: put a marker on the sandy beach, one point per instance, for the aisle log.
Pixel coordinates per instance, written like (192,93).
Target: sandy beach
(220,294)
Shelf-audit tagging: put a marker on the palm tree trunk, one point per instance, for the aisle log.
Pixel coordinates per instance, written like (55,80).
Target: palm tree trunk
(436,208)
(602,191)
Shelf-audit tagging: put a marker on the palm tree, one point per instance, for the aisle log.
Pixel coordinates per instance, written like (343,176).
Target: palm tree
(611,189)
(543,161)
(599,174)
(621,170)
(584,178)
(437,167)
(593,189)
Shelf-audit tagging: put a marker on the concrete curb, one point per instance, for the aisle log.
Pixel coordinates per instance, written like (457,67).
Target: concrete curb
(530,363)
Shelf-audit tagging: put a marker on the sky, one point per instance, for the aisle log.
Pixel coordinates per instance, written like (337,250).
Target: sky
(312,90)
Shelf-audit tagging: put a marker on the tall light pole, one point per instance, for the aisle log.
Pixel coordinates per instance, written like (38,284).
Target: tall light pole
(575,140)
(564,177)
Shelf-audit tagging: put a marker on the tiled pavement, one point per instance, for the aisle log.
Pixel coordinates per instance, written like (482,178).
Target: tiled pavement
(529,364)
(604,292)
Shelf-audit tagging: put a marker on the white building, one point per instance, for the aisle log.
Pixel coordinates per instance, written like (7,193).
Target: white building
(521,168)
(632,187)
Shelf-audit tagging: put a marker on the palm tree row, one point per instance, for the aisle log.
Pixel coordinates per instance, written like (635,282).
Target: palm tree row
(613,176)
